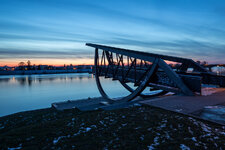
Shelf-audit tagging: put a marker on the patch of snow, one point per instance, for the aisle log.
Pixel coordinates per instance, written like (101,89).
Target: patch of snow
(178,110)
(55,141)
(104,103)
(184,147)
(15,148)
(196,144)
(194,139)
(124,124)
(137,128)
(167,135)
(93,126)
(190,131)
(151,147)
(205,128)
(142,137)
(163,125)
(30,138)
(223,133)
(88,129)
(111,120)
(149,129)
(156,140)
(79,132)
(193,120)
(101,122)
(158,134)
(106,118)
(82,130)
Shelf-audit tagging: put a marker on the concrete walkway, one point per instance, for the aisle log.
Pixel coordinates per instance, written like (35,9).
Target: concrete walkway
(91,104)
(190,105)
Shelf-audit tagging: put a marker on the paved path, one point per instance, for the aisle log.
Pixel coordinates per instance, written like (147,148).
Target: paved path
(189,105)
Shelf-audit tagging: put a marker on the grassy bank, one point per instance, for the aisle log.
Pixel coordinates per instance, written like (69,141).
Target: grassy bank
(141,127)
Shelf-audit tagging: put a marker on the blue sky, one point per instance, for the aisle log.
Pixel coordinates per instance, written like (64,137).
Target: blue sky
(55,31)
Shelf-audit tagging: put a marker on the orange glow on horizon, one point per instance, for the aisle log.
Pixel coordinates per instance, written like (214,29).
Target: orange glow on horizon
(53,62)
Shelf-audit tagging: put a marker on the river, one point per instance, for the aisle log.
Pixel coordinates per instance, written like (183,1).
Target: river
(28,92)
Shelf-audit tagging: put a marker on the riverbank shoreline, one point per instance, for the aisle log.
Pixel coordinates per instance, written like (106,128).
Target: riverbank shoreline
(138,127)
(33,72)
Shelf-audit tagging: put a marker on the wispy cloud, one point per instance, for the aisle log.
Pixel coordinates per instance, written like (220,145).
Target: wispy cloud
(59,29)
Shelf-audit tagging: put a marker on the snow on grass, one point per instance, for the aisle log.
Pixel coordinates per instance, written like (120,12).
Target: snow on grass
(84,130)
(184,147)
(142,137)
(14,148)
(88,129)
(205,128)
(149,129)
(124,124)
(93,126)
(56,140)
(137,128)
(101,122)
(19,147)
(222,133)
(156,142)
(194,139)
(106,118)
(162,125)
(190,131)
(167,135)
(193,121)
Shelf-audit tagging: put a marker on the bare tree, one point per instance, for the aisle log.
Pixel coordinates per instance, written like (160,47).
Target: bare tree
(21,65)
(28,64)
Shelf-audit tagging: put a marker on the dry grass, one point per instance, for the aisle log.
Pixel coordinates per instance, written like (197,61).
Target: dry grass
(132,128)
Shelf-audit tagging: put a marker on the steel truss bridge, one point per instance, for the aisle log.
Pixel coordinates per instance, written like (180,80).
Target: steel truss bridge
(150,70)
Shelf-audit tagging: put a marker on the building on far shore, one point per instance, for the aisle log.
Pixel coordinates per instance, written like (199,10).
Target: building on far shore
(44,69)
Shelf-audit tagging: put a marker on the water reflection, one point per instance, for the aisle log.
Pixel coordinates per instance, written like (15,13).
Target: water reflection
(30,79)
(27,92)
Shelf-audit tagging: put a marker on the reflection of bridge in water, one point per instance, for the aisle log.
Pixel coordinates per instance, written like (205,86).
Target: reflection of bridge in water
(150,70)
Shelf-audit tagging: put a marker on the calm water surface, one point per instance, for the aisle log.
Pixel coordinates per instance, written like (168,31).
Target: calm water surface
(27,92)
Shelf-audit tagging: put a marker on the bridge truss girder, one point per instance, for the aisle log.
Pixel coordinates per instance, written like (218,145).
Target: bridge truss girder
(146,70)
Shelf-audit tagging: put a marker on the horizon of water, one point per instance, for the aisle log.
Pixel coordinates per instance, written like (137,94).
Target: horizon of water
(28,92)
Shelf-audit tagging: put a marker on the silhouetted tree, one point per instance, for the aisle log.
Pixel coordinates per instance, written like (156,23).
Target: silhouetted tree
(21,65)
(28,64)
